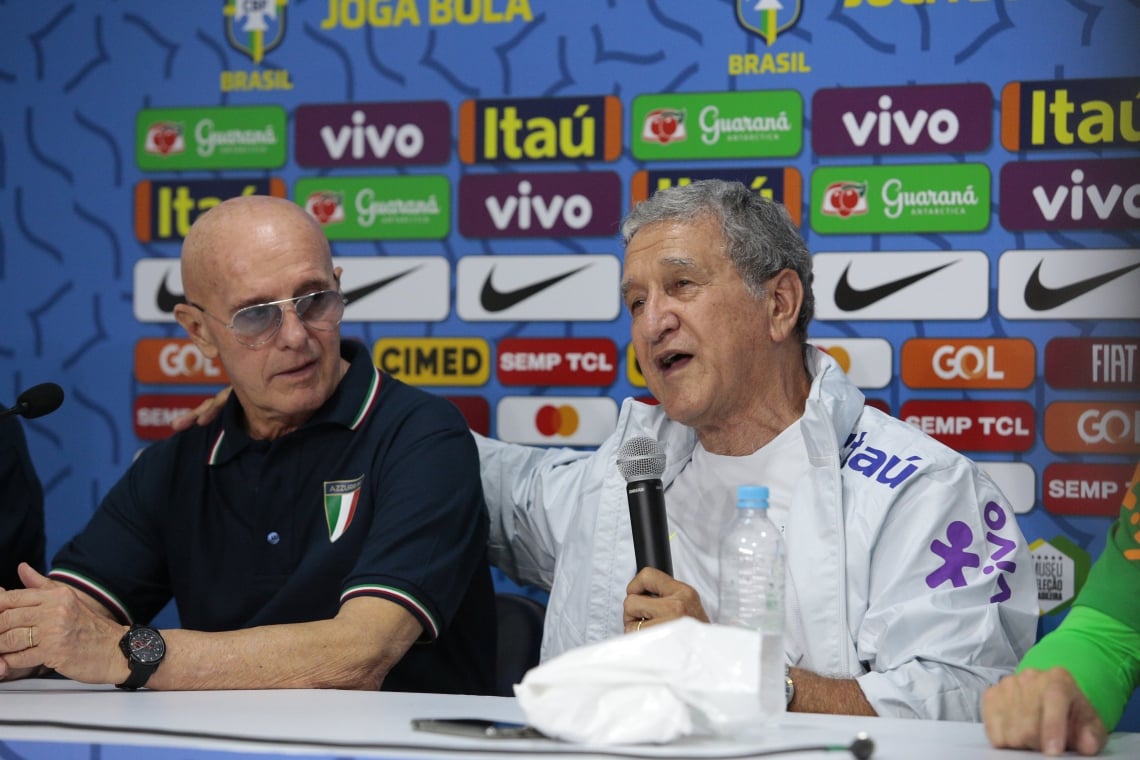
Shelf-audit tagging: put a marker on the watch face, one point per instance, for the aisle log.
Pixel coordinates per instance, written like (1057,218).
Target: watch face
(146,645)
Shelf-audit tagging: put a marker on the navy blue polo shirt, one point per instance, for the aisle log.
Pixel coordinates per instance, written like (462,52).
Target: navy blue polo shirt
(378,494)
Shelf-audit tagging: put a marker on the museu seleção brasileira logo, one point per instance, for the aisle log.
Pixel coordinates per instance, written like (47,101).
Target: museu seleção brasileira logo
(768,18)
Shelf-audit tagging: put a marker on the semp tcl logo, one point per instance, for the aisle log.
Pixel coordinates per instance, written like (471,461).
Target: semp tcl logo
(974,425)
(175,360)
(1073,488)
(154,413)
(557,361)
(1085,427)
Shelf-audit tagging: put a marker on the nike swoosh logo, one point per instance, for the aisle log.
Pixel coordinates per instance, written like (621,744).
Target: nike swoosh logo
(500,300)
(1040,297)
(165,300)
(849,298)
(356,294)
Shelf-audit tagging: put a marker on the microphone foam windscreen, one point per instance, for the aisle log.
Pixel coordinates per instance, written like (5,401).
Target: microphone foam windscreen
(641,458)
(40,400)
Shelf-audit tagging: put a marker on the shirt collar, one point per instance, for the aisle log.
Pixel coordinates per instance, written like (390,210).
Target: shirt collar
(350,405)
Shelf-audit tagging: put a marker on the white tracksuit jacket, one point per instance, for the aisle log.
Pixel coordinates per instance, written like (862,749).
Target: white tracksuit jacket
(911,571)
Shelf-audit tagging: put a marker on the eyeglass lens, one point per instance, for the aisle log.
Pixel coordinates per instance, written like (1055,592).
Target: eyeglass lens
(321,311)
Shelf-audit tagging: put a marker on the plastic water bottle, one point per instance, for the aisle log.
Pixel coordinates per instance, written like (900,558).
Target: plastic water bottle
(752,590)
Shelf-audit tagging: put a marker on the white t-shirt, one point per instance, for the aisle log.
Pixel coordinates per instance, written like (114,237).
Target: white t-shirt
(701,503)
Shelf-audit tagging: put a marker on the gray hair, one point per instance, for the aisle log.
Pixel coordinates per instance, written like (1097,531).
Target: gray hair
(760,238)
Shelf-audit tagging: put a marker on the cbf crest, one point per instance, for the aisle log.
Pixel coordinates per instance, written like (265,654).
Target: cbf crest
(767,18)
(255,27)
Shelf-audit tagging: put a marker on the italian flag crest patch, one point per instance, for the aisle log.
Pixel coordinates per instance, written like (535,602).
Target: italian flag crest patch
(341,498)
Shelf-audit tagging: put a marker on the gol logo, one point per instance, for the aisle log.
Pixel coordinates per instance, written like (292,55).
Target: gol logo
(996,363)
(175,360)
(559,420)
(1084,427)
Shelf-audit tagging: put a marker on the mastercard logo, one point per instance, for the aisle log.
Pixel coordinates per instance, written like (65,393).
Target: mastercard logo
(559,420)
(840,355)
(556,420)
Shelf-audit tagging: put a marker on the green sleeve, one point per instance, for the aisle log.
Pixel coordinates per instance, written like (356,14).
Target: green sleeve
(1113,585)
(1102,655)
(1099,640)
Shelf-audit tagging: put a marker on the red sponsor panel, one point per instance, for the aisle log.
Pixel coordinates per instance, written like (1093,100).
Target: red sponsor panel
(1093,363)
(974,425)
(153,413)
(476,410)
(557,361)
(879,404)
(1086,489)
(1085,427)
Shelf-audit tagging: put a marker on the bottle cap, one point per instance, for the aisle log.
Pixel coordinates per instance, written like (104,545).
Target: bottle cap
(752,497)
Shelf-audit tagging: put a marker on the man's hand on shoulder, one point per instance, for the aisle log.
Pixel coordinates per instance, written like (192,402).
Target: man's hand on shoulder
(204,413)
(1042,710)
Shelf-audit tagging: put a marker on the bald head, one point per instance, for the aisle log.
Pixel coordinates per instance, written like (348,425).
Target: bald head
(228,239)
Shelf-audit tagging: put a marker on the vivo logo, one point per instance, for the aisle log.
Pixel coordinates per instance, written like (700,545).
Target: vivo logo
(1101,202)
(373,134)
(944,118)
(941,126)
(533,205)
(407,139)
(1091,195)
(523,209)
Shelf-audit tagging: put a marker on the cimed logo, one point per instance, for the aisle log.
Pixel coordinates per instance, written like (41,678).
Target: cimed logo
(262,24)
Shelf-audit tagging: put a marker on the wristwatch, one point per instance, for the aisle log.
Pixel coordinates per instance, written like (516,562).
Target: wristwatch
(144,649)
(789,686)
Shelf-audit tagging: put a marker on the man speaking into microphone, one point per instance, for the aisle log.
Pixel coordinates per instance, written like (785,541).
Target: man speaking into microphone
(894,605)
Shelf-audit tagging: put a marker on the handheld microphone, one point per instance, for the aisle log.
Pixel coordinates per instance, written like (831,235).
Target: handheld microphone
(642,463)
(37,401)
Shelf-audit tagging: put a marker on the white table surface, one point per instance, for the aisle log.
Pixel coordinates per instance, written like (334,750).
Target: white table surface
(57,718)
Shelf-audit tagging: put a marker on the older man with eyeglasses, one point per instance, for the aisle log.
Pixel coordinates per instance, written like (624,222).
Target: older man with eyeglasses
(327,520)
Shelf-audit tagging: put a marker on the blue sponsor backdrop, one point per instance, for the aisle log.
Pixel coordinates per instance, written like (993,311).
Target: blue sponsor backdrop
(73,76)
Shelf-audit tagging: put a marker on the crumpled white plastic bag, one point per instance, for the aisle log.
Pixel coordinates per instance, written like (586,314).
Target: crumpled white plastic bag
(675,679)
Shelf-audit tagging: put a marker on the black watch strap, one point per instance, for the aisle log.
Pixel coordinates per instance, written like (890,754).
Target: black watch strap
(144,649)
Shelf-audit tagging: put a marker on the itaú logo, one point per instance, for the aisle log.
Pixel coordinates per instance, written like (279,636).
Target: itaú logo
(561,420)
(966,363)
(1112,427)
